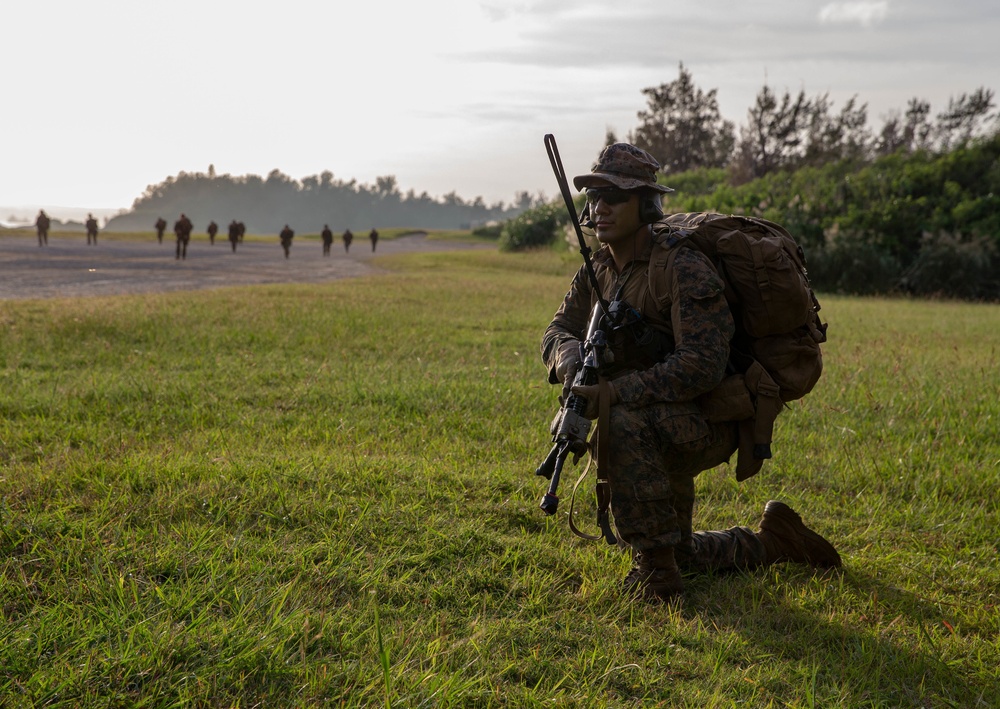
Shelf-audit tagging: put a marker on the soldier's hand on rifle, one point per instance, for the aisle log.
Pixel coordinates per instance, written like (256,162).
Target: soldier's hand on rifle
(568,363)
(591,393)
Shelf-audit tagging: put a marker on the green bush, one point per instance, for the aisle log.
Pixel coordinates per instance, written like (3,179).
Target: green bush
(488,231)
(703,181)
(952,266)
(849,264)
(533,228)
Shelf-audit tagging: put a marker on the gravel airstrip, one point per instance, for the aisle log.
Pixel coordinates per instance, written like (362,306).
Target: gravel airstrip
(69,268)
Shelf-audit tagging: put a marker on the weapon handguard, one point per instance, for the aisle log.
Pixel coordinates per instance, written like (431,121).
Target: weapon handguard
(570,427)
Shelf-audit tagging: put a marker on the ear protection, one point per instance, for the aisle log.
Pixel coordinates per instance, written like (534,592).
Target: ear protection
(650,207)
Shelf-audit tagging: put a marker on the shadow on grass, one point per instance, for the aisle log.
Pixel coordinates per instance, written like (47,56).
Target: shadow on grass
(879,650)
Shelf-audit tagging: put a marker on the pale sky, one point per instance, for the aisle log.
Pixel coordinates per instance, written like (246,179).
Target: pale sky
(99,99)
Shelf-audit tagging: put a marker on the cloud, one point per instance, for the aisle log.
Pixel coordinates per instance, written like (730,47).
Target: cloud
(865,12)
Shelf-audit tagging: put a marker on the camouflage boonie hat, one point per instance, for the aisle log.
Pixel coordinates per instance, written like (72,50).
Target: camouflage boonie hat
(624,166)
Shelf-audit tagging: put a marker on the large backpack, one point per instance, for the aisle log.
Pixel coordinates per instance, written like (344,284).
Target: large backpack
(776,349)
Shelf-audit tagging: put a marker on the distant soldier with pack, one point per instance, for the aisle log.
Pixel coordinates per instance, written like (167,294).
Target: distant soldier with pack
(286,236)
(161,226)
(348,238)
(91,225)
(182,230)
(327,236)
(213,229)
(666,401)
(242,230)
(373,235)
(234,234)
(42,224)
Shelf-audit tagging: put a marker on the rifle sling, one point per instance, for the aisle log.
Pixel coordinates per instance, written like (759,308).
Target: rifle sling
(603,487)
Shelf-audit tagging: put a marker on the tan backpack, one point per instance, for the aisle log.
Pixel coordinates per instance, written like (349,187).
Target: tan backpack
(776,349)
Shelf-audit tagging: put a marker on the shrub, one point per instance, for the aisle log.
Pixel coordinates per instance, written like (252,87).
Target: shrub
(533,228)
(852,265)
(488,231)
(948,265)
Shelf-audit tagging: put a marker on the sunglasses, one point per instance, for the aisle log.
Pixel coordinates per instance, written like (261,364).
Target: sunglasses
(610,195)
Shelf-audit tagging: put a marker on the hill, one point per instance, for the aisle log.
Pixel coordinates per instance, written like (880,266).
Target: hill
(265,205)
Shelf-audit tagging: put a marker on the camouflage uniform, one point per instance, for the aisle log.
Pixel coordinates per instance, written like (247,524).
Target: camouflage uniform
(667,440)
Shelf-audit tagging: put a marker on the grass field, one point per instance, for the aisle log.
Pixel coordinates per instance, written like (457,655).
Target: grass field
(324,495)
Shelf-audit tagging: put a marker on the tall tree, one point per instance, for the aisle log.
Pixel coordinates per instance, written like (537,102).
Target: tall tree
(908,132)
(682,127)
(774,136)
(964,118)
(837,136)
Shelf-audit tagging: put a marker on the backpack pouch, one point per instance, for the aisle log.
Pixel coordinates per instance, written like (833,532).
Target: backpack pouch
(793,359)
(773,293)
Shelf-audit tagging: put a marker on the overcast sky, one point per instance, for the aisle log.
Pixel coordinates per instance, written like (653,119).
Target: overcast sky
(104,97)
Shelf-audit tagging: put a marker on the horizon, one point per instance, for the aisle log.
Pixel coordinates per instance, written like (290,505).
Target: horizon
(404,93)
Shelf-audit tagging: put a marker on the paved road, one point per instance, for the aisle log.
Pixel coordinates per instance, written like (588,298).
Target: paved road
(68,267)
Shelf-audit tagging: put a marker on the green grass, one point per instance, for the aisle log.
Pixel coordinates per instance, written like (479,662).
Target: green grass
(324,495)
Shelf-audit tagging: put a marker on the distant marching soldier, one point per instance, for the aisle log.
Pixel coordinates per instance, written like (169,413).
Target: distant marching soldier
(348,238)
(373,235)
(234,234)
(243,230)
(182,228)
(161,225)
(213,229)
(42,224)
(286,239)
(327,239)
(91,229)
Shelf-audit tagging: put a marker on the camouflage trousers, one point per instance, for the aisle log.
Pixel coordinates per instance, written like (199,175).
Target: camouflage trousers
(655,453)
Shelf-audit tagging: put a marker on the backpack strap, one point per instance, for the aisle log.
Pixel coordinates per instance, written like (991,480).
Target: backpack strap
(756,432)
(603,487)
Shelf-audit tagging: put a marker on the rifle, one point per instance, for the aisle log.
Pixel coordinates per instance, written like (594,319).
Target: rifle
(570,427)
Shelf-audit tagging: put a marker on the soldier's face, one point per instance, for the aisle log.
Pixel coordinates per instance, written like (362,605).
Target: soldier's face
(615,214)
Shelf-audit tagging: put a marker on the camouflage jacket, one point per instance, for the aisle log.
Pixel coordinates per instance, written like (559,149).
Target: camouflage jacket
(696,324)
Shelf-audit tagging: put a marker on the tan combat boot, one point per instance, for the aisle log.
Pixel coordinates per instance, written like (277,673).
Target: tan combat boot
(785,538)
(654,576)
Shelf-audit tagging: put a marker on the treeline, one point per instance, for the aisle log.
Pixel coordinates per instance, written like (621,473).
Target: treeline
(911,208)
(682,128)
(266,204)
